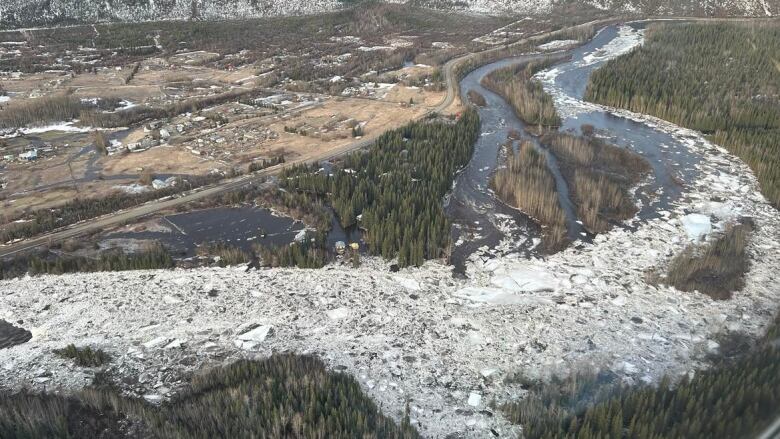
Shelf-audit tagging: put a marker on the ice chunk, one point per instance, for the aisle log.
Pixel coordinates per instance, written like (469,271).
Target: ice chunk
(532,278)
(258,334)
(159,341)
(492,265)
(505,282)
(474,399)
(557,44)
(153,398)
(488,372)
(175,344)
(170,300)
(162,184)
(629,368)
(409,284)
(696,226)
(252,338)
(338,313)
(499,296)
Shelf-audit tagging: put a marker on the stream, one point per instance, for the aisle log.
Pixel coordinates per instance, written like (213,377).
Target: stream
(482,222)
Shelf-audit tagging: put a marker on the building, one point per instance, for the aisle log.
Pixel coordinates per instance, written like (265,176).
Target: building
(29,155)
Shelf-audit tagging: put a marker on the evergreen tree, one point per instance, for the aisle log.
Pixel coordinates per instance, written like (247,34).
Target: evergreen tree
(721,79)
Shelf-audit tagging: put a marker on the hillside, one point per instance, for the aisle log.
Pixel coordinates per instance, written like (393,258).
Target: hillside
(20,13)
(14,13)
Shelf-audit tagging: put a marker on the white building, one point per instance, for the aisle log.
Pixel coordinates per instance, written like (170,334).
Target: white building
(29,155)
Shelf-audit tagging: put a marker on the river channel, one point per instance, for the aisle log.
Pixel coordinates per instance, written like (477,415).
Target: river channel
(483,224)
(481,221)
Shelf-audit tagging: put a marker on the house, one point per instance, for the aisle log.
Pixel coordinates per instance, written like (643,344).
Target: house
(29,155)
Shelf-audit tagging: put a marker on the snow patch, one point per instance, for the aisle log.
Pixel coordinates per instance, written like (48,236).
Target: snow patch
(253,337)
(67,127)
(696,225)
(557,44)
(409,284)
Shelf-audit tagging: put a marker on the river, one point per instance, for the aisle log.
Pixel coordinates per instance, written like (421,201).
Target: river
(480,220)
(482,224)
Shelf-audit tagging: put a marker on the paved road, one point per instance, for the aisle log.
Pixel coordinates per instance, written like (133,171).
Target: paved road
(128,215)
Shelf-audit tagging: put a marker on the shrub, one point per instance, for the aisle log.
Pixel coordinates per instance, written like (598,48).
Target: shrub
(84,357)
(146,177)
(527,184)
(717,269)
(40,111)
(599,176)
(476,98)
(526,95)
(154,257)
(101,142)
(228,255)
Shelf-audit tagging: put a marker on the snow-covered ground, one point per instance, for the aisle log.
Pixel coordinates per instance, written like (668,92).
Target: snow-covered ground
(27,12)
(59,126)
(557,44)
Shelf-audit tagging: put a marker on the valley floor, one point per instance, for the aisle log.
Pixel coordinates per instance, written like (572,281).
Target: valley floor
(444,344)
